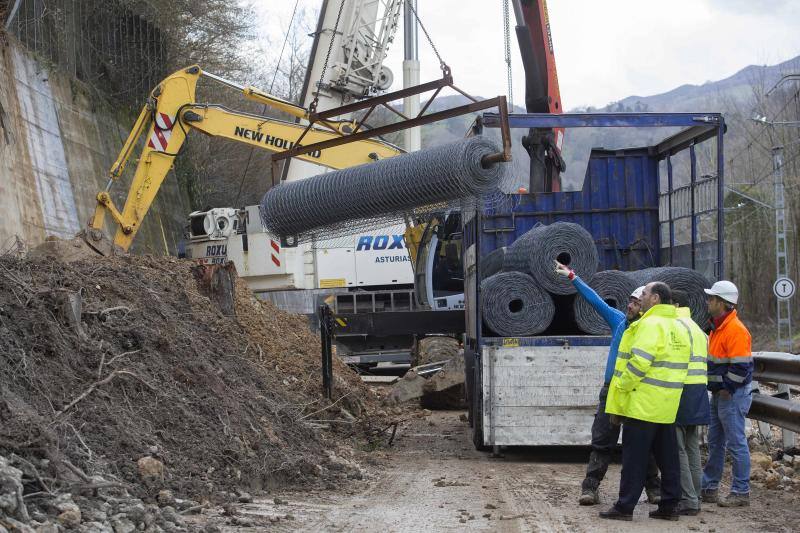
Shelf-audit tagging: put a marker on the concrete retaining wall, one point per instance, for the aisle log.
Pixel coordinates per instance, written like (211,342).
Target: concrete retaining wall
(56,145)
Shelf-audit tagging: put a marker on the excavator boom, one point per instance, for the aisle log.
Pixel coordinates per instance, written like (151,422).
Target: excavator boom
(171,112)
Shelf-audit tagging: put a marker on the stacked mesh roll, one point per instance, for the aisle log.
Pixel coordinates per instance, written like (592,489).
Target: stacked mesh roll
(615,288)
(566,243)
(513,305)
(685,279)
(524,272)
(378,190)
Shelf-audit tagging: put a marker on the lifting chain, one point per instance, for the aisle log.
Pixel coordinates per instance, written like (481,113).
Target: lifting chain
(312,108)
(442,64)
(507,42)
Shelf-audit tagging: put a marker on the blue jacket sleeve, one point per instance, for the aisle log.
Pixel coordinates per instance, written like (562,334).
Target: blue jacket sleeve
(611,315)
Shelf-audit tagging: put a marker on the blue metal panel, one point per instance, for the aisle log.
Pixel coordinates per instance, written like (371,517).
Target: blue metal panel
(618,205)
(604,120)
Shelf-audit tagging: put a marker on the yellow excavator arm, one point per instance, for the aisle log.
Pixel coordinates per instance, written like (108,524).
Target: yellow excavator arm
(169,115)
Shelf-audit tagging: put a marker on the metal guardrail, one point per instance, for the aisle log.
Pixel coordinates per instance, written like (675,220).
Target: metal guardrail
(780,368)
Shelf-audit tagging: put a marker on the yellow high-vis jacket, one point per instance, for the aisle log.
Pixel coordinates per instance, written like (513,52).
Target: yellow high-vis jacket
(651,369)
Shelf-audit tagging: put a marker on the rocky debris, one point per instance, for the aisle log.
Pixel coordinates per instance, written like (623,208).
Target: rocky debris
(774,474)
(11,501)
(151,470)
(122,385)
(444,389)
(165,497)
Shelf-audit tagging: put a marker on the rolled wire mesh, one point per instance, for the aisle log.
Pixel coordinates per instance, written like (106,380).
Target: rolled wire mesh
(615,288)
(493,262)
(341,202)
(518,256)
(513,305)
(565,242)
(685,279)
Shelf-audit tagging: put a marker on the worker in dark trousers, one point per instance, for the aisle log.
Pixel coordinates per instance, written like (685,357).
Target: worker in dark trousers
(645,392)
(693,410)
(605,435)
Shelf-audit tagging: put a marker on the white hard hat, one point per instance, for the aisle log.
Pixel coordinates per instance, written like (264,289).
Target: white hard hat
(638,293)
(725,290)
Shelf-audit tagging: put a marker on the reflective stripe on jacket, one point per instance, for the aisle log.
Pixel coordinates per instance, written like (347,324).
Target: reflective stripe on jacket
(694,409)
(730,360)
(698,361)
(652,364)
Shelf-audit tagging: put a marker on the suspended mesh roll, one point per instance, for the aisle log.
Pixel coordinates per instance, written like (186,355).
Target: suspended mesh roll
(381,190)
(685,279)
(566,243)
(513,305)
(615,288)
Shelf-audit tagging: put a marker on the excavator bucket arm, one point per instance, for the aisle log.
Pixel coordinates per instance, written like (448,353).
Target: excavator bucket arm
(171,113)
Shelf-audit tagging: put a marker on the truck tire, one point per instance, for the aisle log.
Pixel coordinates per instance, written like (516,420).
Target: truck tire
(435,349)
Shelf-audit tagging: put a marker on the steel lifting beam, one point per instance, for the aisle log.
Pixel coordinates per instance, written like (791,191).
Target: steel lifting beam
(370,104)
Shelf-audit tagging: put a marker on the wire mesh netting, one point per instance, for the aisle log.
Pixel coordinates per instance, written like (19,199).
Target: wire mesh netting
(384,193)
(100,42)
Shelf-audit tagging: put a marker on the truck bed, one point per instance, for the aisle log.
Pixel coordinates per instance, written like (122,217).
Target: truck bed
(540,391)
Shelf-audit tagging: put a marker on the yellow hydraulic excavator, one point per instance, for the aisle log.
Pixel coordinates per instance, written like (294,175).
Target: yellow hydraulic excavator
(171,112)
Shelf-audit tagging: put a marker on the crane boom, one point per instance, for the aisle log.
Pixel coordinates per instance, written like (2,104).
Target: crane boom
(542,94)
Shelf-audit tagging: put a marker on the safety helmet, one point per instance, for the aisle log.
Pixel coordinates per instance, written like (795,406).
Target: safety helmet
(638,293)
(725,290)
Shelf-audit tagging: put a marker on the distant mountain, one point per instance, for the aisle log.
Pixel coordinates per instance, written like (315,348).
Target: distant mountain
(730,96)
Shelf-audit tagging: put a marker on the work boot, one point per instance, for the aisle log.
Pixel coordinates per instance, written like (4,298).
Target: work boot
(735,499)
(616,514)
(688,511)
(653,496)
(589,497)
(709,495)
(664,514)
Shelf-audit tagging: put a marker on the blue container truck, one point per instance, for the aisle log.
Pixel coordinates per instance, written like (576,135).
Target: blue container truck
(642,212)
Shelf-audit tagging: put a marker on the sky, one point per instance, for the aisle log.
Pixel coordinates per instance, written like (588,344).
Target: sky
(605,50)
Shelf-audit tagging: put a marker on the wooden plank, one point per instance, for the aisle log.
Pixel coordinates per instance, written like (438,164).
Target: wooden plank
(544,396)
(572,436)
(527,377)
(542,417)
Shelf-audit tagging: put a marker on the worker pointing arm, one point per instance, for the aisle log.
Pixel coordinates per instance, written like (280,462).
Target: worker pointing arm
(605,434)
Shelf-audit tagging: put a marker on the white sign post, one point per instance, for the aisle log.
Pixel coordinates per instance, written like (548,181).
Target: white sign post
(783,288)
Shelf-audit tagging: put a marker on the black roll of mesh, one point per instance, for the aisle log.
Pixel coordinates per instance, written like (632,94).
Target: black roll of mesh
(614,287)
(492,263)
(513,305)
(518,255)
(685,279)
(566,243)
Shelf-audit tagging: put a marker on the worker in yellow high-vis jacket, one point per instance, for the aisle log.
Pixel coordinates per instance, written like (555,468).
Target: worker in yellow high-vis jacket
(645,391)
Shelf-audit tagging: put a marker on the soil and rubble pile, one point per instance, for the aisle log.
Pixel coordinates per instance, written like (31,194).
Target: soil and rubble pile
(120,374)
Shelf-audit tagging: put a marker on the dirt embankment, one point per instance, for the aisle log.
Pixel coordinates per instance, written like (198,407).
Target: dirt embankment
(104,362)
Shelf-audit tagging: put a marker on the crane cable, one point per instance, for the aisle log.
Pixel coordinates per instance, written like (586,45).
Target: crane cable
(507,43)
(264,108)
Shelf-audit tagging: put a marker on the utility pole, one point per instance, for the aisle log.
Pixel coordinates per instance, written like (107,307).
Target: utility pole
(412,136)
(782,273)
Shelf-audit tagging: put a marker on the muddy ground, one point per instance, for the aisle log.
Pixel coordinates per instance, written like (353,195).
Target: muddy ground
(432,479)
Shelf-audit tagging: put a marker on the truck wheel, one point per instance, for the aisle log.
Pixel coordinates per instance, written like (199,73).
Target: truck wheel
(435,349)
